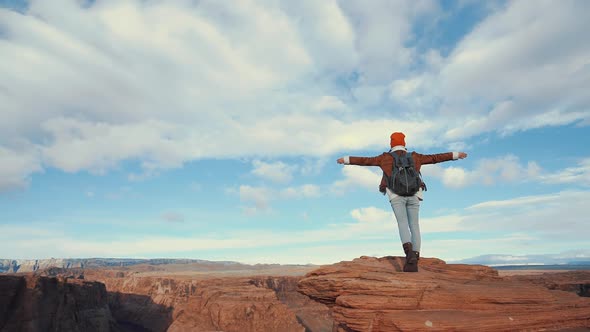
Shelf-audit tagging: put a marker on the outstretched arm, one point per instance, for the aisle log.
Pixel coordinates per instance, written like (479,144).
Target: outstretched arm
(361,161)
(440,157)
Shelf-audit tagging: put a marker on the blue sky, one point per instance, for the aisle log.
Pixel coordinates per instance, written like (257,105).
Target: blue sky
(211,129)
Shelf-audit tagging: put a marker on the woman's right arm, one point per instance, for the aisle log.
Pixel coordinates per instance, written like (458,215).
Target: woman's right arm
(360,161)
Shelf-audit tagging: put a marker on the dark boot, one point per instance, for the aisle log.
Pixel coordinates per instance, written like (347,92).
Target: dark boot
(417,253)
(411,258)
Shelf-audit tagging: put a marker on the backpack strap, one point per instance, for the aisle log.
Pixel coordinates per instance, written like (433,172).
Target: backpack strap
(402,161)
(408,160)
(396,159)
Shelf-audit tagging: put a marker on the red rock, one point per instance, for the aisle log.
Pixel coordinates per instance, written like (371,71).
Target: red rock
(225,304)
(29,303)
(372,294)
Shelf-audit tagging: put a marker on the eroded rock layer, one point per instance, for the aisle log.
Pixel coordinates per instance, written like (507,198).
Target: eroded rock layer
(222,304)
(372,294)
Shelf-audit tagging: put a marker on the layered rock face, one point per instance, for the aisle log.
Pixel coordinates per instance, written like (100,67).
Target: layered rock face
(372,294)
(223,304)
(31,304)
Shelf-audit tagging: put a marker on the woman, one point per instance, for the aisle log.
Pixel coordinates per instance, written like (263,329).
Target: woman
(405,208)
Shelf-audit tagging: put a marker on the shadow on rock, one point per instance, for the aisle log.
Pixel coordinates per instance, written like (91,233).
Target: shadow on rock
(139,313)
(30,303)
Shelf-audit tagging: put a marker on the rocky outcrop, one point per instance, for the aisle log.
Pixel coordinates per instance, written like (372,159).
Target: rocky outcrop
(372,294)
(31,304)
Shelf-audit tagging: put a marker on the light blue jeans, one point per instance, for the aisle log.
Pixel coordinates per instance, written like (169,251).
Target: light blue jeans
(406,210)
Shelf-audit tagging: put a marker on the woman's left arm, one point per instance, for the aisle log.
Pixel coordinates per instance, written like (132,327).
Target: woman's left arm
(440,157)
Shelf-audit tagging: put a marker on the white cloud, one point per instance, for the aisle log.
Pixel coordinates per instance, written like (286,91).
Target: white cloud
(181,81)
(488,171)
(527,225)
(355,176)
(330,103)
(313,166)
(512,72)
(382,28)
(16,167)
(518,201)
(541,216)
(508,169)
(262,196)
(304,191)
(579,174)
(381,220)
(371,214)
(533,74)
(278,172)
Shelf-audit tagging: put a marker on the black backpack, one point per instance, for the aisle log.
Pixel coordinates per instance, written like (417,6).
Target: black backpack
(404,180)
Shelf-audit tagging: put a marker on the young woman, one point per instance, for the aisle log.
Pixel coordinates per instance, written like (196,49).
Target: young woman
(405,208)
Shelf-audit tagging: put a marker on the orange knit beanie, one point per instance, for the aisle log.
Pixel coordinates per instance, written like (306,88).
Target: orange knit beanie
(398,139)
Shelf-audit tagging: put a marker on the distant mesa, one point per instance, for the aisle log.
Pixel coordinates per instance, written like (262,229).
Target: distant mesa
(32,265)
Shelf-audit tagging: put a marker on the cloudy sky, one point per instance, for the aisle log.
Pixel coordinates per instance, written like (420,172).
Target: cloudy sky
(211,129)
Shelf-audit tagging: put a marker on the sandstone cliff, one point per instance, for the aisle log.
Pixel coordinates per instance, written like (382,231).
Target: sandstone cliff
(221,304)
(32,304)
(372,294)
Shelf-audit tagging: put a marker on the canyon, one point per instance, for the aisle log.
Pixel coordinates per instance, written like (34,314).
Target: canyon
(365,294)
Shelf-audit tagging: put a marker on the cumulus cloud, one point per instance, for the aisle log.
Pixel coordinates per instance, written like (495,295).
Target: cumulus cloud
(330,104)
(371,214)
(373,219)
(178,81)
(528,225)
(278,172)
(512,72)
(355,176)
(502,227)
(508,169)
(16,167)
(261,197)
(579,175)
(163,83)
(487,171)
(529,66)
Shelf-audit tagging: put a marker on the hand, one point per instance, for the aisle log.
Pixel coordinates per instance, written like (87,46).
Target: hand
(462,155)
(340,160)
